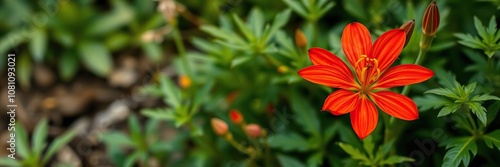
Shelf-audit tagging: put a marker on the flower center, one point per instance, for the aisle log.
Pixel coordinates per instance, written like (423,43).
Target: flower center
(367,71)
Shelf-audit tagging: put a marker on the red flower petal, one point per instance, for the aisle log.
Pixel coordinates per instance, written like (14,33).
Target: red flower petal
(387,47)
(396,105)
(341,102)
(402,75)
(332,76)
(356,41)
(364,118)
(320,56)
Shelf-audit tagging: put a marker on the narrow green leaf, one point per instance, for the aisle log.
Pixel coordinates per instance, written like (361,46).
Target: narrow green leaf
(479,111)
(39,137)
(119,17)
(492,139)
(448,110)
(369,146)
(289,142)
(316,159)
(443,92)
(163,114)
(459,151)
(492,112)
(481,30)
(131,160)
(289,161)
(4,161)
(22,145)
(68,66)
(279,21)
(117,139)
(240,60)
(480,98)
(151,128)
(243,28)
(354,152)
(58,144)
(24,70)
(470,88)
(325,9)
(305,114)
(223,34)
(96,58)
(396,159)
(153,51)
(428,102)
(172,92)
(297,7)
(135,129)
(38,45)
(256,21)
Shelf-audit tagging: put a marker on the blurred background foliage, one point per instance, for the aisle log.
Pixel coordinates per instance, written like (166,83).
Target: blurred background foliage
(174,65)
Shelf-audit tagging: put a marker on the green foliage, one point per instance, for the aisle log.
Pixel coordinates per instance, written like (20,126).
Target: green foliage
(459,151)
(39,152)
(310,10)
(489,37)
(463,97)
(367,158)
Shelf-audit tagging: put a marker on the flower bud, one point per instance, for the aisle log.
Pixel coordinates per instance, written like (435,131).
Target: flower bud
(282,69)
(253,130)
(408,28)
(300,39)
(430,21)
(236,116)
(219,126)
(231,97)
(184,81)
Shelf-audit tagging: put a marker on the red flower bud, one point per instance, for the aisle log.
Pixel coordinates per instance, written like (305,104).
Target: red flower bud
(219,126)
(300,38)
(408,27)
(430,21)
(253,130)
(236,117)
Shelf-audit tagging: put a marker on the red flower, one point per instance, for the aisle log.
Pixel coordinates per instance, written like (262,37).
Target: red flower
(360,92)
(236,116)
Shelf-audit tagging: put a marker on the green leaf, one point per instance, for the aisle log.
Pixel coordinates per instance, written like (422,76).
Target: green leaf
(354,152)
(396,159)
(480,98)
(135,129)
(479,110)
(243,28)
(289,161)
(492,112)
(459,151)
(38,45)
(428,102)
(305,114)
(172,92)
(117,41)
(240,60)
(369,146)
(256,21)
(24,71)
(39,137)
(163,114)
(131,160)
(152,127)
(4,161)
(480,28)
(279,21)
(68,66)
(492,139)
(289,142)
(355,8)
(296,7)
(315,160)
(22,145)
(470,88)
(330,131)
(117,139)
(444,92)
(58,144)
(120,16)
(153,51)
(448,110)
(223,34)
(96,58)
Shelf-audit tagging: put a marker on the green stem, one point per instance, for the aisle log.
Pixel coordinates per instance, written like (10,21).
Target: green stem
(238,146)
(419,60)
(471,120)
(181,49)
